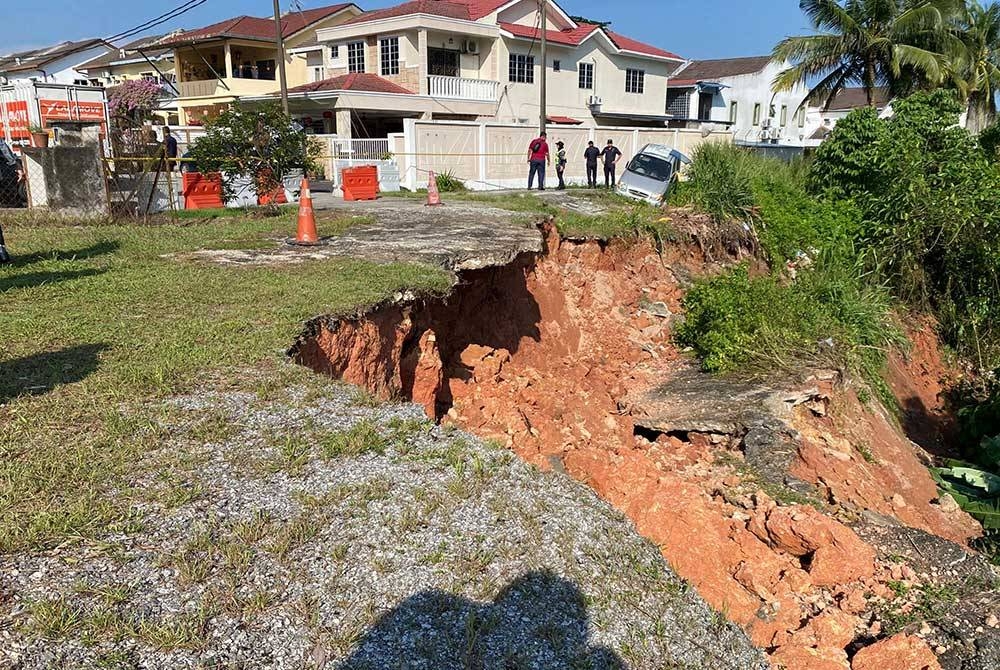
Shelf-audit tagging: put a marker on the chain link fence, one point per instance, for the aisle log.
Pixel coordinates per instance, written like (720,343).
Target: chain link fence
(13,180)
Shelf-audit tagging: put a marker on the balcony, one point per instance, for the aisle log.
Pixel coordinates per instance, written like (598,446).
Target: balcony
(209,88)
(459,88)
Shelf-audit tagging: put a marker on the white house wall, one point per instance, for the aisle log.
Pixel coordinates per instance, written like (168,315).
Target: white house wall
(525,13)
(61,71)
(564,95)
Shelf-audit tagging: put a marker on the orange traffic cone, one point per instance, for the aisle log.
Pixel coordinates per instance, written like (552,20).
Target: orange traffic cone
(307,220)
(433,196)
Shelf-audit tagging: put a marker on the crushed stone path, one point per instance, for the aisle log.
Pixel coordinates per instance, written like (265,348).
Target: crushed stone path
(319,529)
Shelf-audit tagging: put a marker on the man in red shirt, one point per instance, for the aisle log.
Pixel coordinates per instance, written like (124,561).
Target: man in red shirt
(538,157)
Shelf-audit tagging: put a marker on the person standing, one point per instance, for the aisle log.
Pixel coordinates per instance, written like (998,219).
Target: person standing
(170,146)
(10,174)
(611,157)
(560,164)
(538,157)
(591,154)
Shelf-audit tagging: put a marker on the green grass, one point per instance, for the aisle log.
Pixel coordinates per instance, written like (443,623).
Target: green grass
(94,322)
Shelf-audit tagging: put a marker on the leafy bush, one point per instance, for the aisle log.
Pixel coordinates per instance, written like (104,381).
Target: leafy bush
(258,143)
(829,316)
(930,204)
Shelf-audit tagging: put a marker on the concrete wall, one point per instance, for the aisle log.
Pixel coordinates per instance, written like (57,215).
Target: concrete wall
(490,156)
(67,179)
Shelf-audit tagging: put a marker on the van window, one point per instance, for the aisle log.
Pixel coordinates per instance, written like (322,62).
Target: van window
(653,167)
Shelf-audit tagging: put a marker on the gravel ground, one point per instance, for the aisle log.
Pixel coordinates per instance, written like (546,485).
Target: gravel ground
(319,529)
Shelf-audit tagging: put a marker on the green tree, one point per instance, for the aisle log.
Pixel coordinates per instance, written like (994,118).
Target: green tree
(867,43)
(973,67)
(259,143)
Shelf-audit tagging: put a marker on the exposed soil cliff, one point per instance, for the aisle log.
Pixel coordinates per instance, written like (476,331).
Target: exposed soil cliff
(557,357)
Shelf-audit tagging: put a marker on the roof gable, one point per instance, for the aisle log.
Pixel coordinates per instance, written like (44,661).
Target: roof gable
(38,58)
(256,28)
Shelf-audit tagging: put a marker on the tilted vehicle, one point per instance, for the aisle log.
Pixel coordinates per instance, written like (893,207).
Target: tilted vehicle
(650,174)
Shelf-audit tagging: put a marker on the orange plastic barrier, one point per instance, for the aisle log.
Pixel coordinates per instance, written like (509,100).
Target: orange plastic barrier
(360,183)
(202,191)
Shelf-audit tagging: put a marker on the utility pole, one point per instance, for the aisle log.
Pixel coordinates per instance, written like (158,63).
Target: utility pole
(281,57)
(543,117)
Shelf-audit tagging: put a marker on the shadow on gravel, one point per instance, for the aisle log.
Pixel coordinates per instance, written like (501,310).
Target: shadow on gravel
(40,373)
(537,621)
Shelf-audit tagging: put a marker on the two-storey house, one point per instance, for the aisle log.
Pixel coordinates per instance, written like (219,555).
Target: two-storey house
(738,93)
(55,64)
(221,63)
(477,60)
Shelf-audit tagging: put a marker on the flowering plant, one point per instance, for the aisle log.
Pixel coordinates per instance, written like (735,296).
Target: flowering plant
(135,98)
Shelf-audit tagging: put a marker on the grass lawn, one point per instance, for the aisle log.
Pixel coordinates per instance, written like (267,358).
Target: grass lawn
(95,323)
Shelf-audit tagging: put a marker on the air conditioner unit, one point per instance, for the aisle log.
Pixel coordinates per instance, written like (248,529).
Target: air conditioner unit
(470,46)
(594,101)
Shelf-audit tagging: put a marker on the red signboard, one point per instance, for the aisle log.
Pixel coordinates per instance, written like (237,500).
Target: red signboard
(65,110)
(17,118)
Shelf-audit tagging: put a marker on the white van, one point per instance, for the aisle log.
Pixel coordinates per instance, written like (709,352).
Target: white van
(650,174)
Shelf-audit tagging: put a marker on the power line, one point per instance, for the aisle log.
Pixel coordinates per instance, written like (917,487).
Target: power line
(184,8)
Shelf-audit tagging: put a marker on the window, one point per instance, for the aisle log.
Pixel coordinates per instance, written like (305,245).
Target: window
(319,73)
(335,51)
(784,115)
(756,114)
(80,82)
(522,69)
(679,103)
(586,71)
(802,117)
(148,76)
(356,57)
(635,81)
(734,110)
(557,66)
(389,55)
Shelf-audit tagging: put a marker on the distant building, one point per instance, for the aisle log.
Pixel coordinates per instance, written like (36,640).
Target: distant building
(845,102)
(737,93)
(218,64)
(55,64)
(477,60)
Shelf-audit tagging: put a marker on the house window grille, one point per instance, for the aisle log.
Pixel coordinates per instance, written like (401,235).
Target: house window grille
(522,69)
(635,81)
(389,55)
(356,57)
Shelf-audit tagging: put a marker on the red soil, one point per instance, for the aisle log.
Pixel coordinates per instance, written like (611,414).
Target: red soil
(539,354)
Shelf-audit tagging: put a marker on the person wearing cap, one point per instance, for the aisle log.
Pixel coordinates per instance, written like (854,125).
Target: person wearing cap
(538,156)
(560,164)
(611,157)
(591,154)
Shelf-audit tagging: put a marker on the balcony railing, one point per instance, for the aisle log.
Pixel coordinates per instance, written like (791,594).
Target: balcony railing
(460,88)
(198,89)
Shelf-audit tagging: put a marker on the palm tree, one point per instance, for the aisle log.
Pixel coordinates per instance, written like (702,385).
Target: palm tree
(867,43)
(973,67)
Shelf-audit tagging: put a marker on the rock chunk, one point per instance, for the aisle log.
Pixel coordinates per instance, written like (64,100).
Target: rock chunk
(901,652)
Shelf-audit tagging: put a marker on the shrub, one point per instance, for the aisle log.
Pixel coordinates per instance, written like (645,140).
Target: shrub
(262,144)
(721,181)
(831,315)
(845,162)
(447,182)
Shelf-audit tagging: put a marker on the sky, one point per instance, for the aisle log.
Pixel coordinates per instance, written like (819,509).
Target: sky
(690,28)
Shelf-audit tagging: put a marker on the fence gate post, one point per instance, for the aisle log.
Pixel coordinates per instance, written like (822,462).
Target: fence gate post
(410,149)
(481,150)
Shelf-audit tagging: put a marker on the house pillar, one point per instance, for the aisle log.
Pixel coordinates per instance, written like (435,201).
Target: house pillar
(344,123)
(422,57)
(229,62)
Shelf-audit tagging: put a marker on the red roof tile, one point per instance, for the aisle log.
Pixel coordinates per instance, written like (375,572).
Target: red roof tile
(252,27)
(629,44)
(571,37)
(468,10)
(563,120)
(359,81)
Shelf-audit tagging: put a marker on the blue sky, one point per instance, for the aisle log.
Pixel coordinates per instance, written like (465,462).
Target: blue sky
(691,28)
